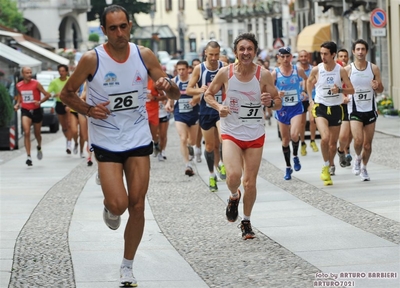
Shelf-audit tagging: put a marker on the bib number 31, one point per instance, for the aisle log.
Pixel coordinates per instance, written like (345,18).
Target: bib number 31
(123,101)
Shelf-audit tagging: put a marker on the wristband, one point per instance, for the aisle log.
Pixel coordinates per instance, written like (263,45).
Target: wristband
(272,104)
(340,90)
(168,80)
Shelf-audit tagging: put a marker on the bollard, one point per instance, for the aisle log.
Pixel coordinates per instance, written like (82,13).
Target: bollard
(12,137)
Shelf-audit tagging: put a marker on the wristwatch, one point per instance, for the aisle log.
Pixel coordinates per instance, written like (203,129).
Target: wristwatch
(340,90)
(272,104)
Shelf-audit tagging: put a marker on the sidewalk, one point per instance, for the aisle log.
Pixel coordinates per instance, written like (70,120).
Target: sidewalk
(51,227)
(389,126)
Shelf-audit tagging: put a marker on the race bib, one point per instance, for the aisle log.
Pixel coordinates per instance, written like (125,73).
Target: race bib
(27,96)
(327,92)
(184,106)
(123,101)
(363,95)
(250,114)
(290,98)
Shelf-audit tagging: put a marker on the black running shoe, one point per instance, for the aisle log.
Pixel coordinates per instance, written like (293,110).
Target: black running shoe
(189,171)
(247,231)
(89,162)
(29,162)
(232,208)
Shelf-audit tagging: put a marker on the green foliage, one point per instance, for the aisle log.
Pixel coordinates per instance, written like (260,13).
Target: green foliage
(132,6)
(6,107)
(10,16)
(94,37)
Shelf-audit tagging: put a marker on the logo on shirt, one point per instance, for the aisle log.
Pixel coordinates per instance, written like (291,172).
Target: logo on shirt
(138,78)
(330,80)
(234,105)
(110,80)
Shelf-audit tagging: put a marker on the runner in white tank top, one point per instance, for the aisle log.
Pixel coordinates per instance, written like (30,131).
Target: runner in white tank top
(242,131)
(328,78)
(117,79)
(366,79)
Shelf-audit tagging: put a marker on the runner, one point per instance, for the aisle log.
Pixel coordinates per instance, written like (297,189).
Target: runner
(186,115)
(288,80)
(366,79)
(28,99)
(202,76)
(247,87)
(199,136)
(328,78)
(116,74)
(163,116)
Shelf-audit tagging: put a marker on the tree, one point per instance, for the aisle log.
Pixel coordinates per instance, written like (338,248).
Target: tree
(132,6)
(10,16)
(94,37)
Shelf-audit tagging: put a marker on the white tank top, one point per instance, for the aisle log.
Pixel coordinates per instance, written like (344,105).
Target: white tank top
(125,86)
(246,121)
(326,80)
(363,100)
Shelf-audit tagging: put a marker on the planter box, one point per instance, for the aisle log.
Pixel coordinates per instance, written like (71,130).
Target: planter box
(4,138)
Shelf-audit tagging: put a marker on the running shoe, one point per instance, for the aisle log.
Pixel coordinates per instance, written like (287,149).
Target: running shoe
(81,155)
(356,167)
(364,174)
(189,171)
(348,160)
(156,150)
(198,154)
(232,208)
(325,176)
(39,153)
(247,231)
(332,170)
(68,150)
(303,150)
(288,174)
(221,171)
(98,179)
(89,162)
(342,158)
(213,184)
(112,221)
(75,148)
(160,157)
(297,165)
(314,146)
(191,152)
(164,155)
(28,162)
(126,277)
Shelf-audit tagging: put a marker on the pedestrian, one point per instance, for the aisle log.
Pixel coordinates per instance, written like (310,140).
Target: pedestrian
(328,78)
(288,78)
(119,131)
(345,138)
(307,67)
(29,100)
(366,79)
(201,78)
(186,115)
(63,112)
(247,87)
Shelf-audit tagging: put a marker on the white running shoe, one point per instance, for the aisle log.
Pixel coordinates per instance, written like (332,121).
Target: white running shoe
(198,154)
(126,277)
(39,153)
(112,221)
(160,157)
(364,174)
(98,179)
(75,148)
(332,170)
(356,167)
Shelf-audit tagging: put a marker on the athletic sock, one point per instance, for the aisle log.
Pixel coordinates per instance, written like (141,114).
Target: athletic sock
(127,263)
(246,218)
(286,154)
(295,146)
(209,159)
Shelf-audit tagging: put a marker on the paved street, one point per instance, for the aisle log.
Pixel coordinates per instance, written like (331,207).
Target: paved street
(53,235)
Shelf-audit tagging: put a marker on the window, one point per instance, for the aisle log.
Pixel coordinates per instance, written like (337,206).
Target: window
(153,5)
(200,4)
(168,5)
(181,5)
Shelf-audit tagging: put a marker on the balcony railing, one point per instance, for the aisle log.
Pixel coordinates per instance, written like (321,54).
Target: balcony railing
(258,9)
(80,5)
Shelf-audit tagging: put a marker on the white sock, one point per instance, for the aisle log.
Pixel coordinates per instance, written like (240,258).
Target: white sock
(212,175)
(246,218)
(69,143)
(358,157)
(127,263)
(234,195)
(197,150)
(326,163)
(363,166)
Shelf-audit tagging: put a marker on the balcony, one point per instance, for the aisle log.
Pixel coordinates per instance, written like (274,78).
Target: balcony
(80,6)
(259,9)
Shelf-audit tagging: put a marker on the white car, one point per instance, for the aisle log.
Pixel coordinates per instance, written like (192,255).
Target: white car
(163,57)
(170,66)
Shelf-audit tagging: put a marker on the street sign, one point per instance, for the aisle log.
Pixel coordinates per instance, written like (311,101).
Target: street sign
(278,43)
(378,18)
(378,32)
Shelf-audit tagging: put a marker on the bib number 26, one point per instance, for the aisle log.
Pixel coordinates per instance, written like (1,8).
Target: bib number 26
(124,101)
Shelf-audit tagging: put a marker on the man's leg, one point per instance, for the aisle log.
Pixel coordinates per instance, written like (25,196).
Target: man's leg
(369,131)
(285,140)
(313,129)
(209,138)
(302,132)
(344,142)
(26,126)
(323,128)
(295,129)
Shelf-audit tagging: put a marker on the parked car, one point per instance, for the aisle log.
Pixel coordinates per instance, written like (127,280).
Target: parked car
(170,66)
(163,57)
(50,118)
(190,56)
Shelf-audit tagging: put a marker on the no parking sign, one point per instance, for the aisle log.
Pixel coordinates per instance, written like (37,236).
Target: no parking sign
(378,22)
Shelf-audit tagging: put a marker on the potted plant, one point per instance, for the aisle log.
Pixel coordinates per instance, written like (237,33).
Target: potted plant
(6,114)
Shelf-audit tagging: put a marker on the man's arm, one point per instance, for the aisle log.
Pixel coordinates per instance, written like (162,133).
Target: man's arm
(17,101)
(192,88)
(377,82)
(303,75)
(349,89)
(269,91)
(312,79)
(46,94)
(86,67)
(219,80)
(160,78)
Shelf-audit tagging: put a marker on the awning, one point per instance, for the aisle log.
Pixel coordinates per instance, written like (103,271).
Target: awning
(19,58)
(145,32)
(312,36)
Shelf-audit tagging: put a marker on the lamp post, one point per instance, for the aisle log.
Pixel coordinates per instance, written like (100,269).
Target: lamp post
(207,15)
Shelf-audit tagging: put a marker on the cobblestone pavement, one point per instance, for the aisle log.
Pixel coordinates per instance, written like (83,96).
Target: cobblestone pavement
(193,220)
